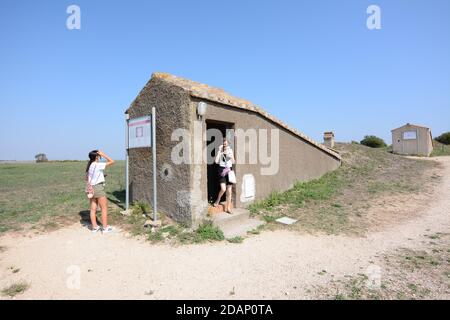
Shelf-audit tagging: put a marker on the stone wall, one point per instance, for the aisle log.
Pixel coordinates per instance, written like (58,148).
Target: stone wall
(172,108)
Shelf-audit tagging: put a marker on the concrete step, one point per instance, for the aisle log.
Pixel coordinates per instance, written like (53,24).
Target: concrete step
(223,218)
(236,224)
(240,229)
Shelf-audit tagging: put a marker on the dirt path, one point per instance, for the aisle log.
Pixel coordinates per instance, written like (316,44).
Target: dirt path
(272,265)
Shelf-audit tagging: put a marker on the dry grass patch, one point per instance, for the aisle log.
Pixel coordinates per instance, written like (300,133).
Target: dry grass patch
(15,289)
(347,200)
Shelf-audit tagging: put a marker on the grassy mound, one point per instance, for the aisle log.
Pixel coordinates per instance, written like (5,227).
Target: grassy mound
(338,201)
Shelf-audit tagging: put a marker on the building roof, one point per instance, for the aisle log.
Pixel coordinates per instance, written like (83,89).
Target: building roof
(411,125)
(203,91)
(415,126)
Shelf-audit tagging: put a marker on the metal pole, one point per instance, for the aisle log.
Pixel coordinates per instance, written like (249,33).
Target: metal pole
(154,162)
(127,183)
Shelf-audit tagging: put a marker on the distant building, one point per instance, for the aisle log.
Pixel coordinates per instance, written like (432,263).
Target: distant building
(41,157)
(328,139)
(412,140)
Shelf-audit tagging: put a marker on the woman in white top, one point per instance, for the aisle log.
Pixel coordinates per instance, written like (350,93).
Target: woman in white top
(96,178)
(225,160)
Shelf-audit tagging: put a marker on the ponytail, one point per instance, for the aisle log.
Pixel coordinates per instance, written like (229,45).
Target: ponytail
(92,157)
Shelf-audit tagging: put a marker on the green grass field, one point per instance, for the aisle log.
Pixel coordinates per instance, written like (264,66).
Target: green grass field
(50,194)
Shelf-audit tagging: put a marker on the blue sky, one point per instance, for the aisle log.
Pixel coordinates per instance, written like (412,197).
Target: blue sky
(313,64)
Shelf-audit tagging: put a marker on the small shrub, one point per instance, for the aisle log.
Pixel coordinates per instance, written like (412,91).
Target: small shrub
(274,199)
(156,236)
(187,237)
(207,232)
(15,289)
(171,230)
(269,219)
(444,138)
(236,240)
(140,208)
(373,142)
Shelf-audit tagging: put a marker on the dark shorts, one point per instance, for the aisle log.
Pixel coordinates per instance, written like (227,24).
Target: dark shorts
(224,179)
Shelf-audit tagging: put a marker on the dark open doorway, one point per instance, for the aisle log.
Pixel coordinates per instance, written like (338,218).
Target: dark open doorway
(213,169)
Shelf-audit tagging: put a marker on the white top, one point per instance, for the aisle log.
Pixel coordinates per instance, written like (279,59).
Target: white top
(95,174)
(225,158)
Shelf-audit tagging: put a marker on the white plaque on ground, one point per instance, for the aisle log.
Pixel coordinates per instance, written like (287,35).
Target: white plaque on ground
(286,220)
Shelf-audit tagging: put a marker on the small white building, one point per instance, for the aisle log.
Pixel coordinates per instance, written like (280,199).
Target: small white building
(412,140)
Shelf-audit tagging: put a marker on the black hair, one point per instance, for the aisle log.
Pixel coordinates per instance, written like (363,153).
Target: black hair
(92,156)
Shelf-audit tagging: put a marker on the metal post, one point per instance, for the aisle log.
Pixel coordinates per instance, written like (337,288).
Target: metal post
(127,183)
(154,163)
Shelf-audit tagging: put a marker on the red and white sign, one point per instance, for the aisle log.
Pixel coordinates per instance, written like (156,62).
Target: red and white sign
(140,132)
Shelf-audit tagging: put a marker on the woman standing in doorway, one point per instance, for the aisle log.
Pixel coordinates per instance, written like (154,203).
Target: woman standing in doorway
(225,160)
(96,178)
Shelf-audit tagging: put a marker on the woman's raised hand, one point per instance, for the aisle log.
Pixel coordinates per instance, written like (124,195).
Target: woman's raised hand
(109,161)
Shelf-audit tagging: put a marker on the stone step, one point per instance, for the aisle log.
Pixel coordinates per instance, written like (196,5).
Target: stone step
(236,224)
(240,229)
(223,218)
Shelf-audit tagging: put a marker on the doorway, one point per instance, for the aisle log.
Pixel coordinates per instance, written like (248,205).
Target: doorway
(227,130)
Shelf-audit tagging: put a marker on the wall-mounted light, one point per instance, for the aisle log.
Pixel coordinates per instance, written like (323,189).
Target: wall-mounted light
(201,109)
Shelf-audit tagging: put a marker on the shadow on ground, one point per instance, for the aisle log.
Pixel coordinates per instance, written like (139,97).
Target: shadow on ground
(85,219)
(118,198)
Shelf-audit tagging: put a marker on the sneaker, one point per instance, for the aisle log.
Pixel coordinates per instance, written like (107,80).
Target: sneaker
(94,230)
(108,229)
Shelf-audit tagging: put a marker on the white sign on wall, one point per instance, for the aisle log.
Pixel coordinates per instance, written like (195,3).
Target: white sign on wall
(140,132)
(409,135)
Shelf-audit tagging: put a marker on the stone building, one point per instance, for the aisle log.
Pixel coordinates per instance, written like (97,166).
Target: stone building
(412,140)
(270,155)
